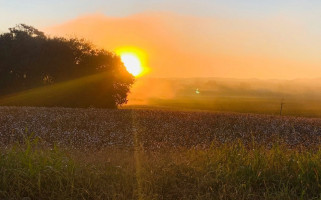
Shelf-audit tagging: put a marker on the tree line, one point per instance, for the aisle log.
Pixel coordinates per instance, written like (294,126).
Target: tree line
(29,59)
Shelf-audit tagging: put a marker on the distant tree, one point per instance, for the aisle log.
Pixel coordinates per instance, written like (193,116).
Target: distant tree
(30,59)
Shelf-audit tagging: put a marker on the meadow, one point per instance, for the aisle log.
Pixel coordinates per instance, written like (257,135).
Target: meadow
(300,97)
(303,107)
(153,153)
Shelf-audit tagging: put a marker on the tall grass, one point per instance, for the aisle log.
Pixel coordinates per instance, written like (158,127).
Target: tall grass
(230,171)
(29,171)
(235,172)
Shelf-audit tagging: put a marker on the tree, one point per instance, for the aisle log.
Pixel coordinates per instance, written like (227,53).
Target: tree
(29,59)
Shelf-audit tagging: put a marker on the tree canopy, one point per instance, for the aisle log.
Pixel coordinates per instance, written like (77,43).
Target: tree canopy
(29,59)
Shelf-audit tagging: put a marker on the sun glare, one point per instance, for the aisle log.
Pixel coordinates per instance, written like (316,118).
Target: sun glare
(132,63)
(134,60)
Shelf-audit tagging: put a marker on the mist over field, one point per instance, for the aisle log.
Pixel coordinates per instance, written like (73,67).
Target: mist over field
(160,99)
(168,88)
(241,64)
(300,96)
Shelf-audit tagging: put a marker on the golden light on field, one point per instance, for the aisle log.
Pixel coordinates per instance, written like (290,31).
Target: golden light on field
(133,59)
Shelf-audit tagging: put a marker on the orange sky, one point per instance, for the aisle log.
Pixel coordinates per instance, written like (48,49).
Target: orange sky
(188,46)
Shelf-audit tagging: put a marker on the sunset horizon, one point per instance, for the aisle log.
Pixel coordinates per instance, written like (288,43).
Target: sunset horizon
(207,39)
(160,99)
(210,57)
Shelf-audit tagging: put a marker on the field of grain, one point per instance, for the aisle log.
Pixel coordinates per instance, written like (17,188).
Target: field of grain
(100,128)
(50,153)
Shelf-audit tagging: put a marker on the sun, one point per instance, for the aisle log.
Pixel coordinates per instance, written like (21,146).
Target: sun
(132,63)
(134,59)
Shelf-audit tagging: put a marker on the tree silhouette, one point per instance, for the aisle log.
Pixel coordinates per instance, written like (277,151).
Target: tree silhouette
(29,59)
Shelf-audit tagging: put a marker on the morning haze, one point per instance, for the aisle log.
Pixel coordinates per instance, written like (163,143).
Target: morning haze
(275,49)
(190,46)
(160,99)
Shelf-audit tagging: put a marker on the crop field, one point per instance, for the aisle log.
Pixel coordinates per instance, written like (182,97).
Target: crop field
(100,128)
(50,153)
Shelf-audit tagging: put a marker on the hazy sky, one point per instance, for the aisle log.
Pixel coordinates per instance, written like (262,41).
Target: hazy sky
(184,38)
(46,12)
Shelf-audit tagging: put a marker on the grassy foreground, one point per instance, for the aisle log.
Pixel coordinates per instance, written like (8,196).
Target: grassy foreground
(219,172)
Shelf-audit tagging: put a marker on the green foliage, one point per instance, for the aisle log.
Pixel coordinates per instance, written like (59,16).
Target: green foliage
(29,59)
(31,171)
(234,172)
(220,172)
